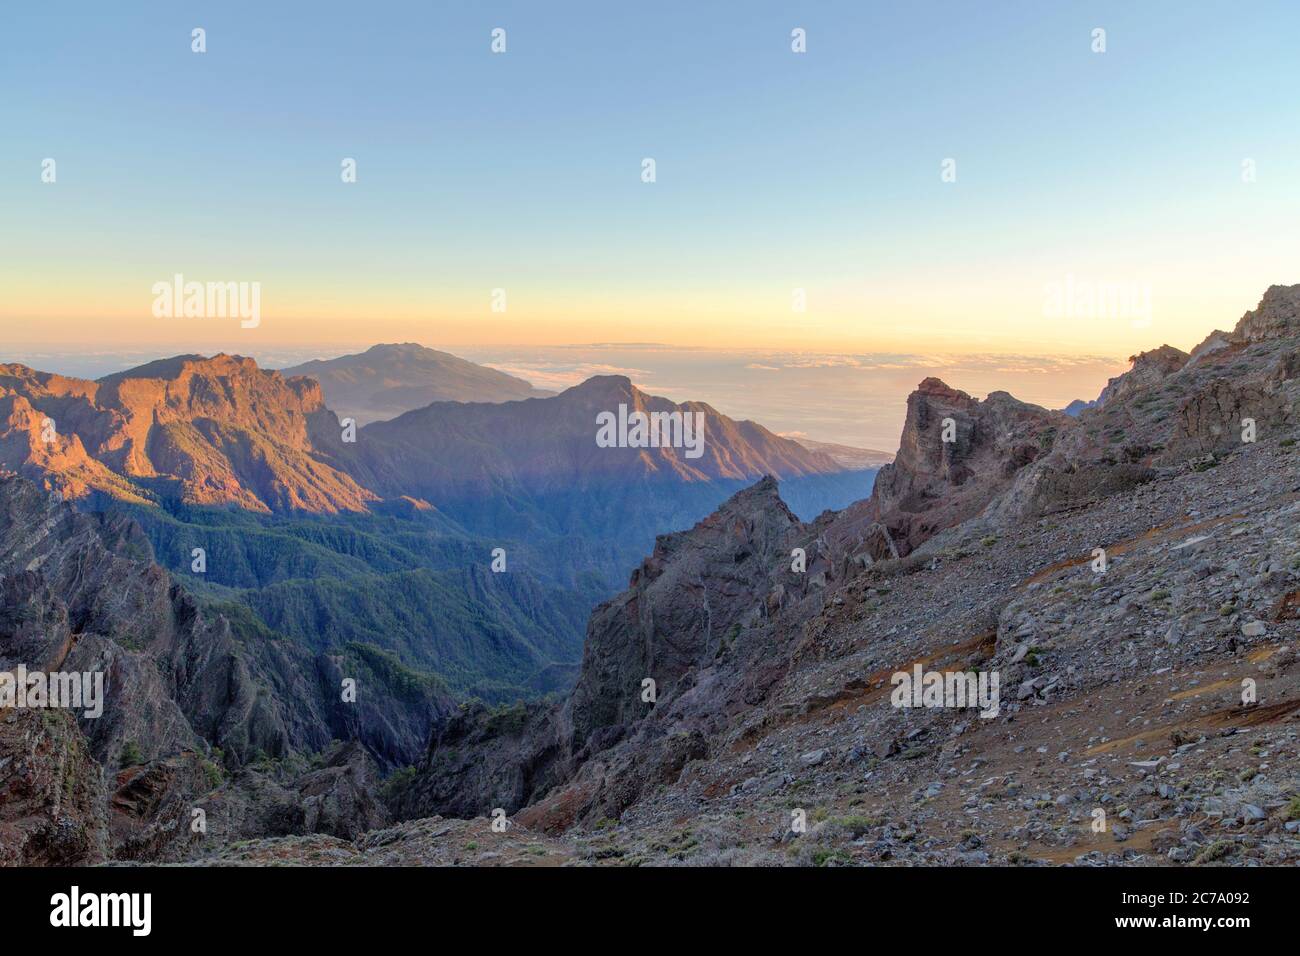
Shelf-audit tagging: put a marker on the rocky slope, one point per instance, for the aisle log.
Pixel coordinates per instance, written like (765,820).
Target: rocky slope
(188,697)
(1127,574)
(1121,694)
(1122,686)
(387,380)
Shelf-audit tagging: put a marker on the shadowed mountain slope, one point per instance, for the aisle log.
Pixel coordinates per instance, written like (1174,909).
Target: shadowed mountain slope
(535,467)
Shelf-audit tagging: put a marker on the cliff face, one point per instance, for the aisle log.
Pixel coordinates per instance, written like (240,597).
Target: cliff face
(187,696)
(52,809)
(703,630)
(202,431)
(686,605)
(955,456)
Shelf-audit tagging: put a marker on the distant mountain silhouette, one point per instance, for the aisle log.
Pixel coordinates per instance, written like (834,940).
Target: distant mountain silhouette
(387,380)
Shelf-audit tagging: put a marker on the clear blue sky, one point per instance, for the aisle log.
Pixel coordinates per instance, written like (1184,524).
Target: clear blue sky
(774,170)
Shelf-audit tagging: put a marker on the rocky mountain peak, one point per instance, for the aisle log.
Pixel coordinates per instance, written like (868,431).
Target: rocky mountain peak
(216,430)
(1276,316)
(955,455)
(1165,359)
(605,388)
(1148,370)
(932,387)
(397,348)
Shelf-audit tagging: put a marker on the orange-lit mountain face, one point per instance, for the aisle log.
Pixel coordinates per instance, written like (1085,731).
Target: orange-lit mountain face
(212,431)
(222,431)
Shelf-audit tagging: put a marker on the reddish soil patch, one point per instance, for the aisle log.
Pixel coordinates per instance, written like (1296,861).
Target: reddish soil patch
(1163,531)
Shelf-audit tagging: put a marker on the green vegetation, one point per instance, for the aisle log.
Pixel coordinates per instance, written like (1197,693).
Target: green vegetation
(823,856)
(507,719)
(131,755)
(1215,851)
(213,774)
(386,667)
(396,784)
(858,825)
(416,588)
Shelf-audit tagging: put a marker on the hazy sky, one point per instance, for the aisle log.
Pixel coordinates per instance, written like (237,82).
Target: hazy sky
(776,171)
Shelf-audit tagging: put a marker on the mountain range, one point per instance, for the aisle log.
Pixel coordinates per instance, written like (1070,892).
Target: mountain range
(1131,572)
(385,534)
(1126,573)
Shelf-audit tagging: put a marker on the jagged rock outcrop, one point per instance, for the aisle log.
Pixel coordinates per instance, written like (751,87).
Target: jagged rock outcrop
(685,604)
(955,456)
(1171,411)
(722,593)
(483,758)
(168,669)
(182,690)
(336,794)
(1148,369)
(1277,316)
